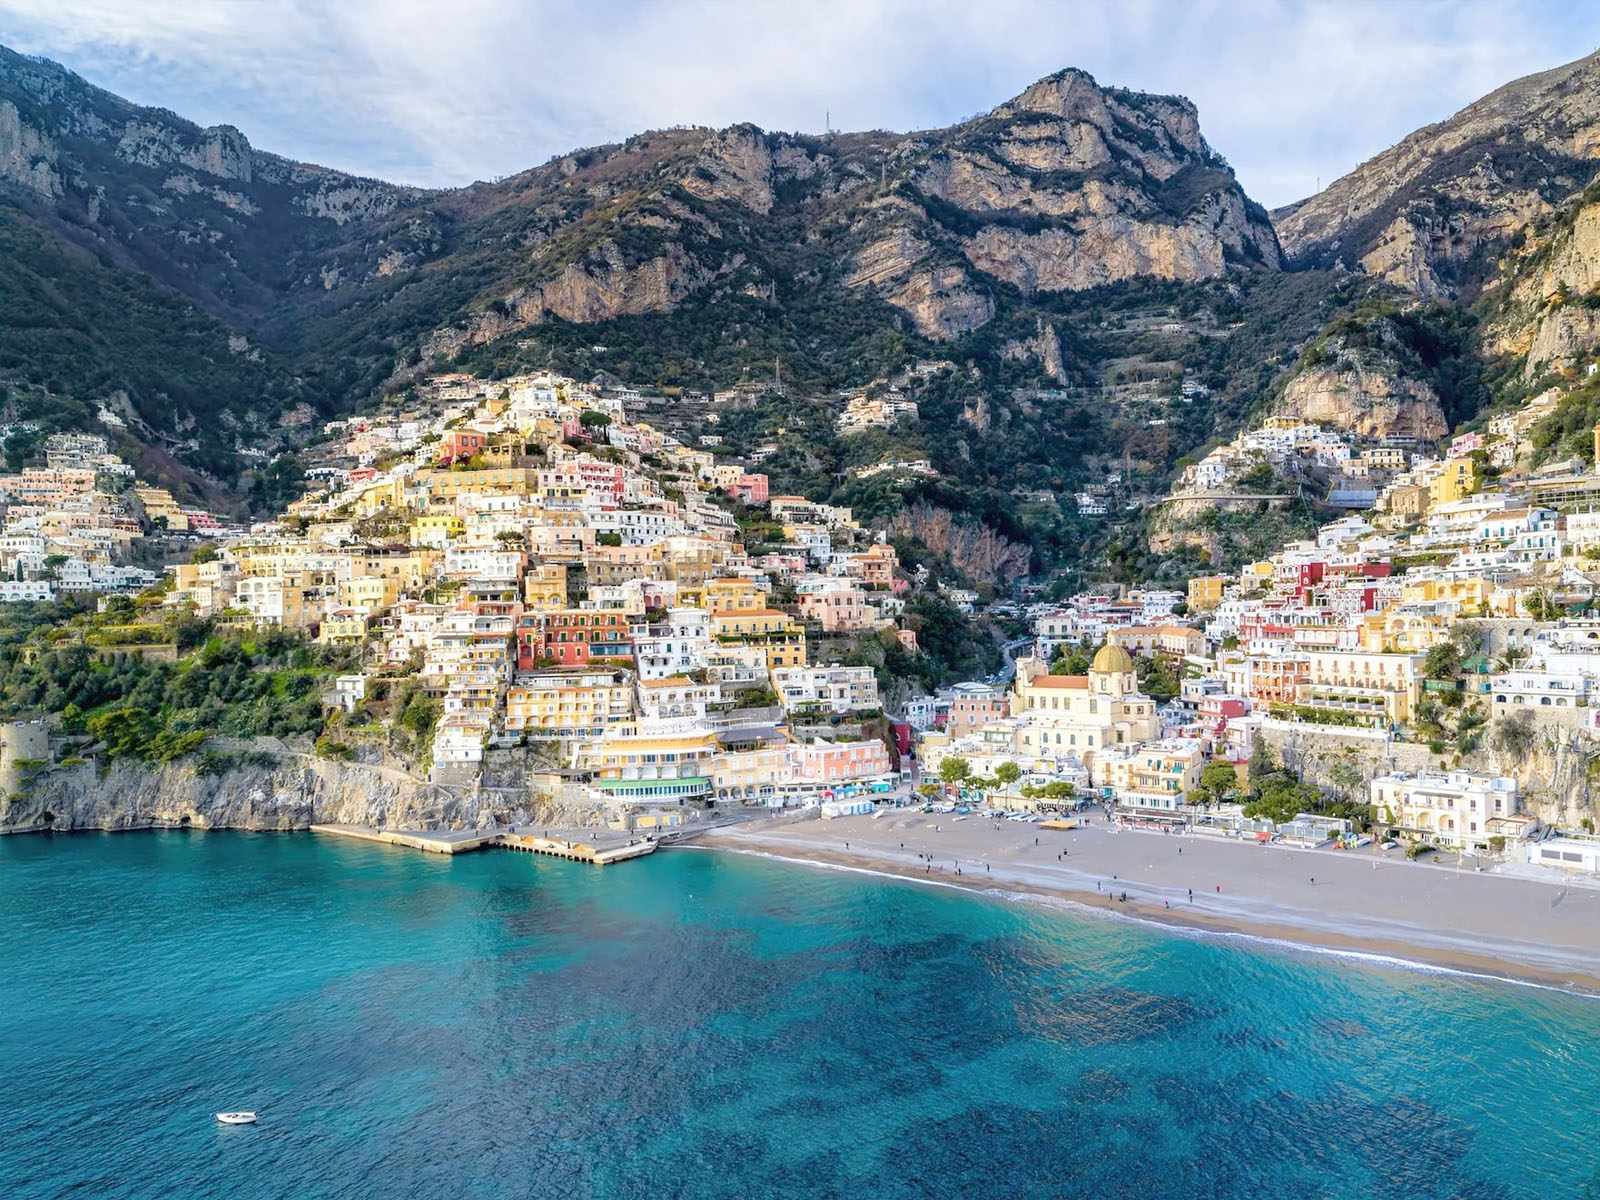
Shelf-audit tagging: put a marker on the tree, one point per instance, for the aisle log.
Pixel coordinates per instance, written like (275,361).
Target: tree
(1442,661)
(1263,759)
(1468,637)
(591,418)
(1515,737)
(1008,773)
(1347,778)
(1070,660)
(954,770)
(125,731)
(1218,779)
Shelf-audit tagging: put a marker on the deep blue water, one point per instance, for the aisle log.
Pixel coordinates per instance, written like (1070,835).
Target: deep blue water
(699,1024)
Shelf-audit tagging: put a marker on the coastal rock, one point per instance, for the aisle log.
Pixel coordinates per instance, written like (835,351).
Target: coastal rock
(1043,348)
(599,289)
(292,794)
(942,303)
(1550,314)
(1112,250)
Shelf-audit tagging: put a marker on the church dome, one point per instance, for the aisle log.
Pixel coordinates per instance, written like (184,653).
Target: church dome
(1111,659)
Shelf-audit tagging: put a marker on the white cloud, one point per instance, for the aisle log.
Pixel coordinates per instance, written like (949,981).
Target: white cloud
(438,94)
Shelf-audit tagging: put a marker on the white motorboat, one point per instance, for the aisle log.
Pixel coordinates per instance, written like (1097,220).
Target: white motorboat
(237,1118)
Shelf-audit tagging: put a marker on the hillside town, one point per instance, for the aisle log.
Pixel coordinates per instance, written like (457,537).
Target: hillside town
(670,638)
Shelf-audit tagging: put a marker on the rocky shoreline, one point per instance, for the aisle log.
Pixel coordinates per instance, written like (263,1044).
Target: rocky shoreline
(291,794)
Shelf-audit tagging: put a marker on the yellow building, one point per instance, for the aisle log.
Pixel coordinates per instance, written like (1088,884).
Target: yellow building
(159,504)
(435,529)
(368,593)
(1379,687)
(440,485)
(1469,594)
(1080,714)
(731,594)
(407,572)
(779,637)
(754,774)
(1455,481)
(1255,575)
(569,702)
(1205,592)
(1172,641)
(343,627)
(1409,501)
(382,495)
(1155,776)
(544,587)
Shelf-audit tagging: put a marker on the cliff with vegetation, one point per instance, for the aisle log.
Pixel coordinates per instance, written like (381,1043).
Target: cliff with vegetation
(1431,213)
(228,286)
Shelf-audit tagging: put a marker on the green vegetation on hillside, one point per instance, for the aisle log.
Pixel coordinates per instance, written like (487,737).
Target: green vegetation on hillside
(87,668)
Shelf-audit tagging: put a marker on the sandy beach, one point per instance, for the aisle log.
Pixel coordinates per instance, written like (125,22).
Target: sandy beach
(1497,924)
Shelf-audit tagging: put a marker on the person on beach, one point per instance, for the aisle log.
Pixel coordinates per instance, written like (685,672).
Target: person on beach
(1191,893)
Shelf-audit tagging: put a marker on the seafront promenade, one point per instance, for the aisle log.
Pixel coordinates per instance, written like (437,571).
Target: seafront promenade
(600,847)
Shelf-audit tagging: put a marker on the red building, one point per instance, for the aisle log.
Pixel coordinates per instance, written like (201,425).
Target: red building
(571,637)
(461,444)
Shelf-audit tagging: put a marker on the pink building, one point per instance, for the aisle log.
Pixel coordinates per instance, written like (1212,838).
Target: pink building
(974,705)
(840,762)
(751,488)
(839,610)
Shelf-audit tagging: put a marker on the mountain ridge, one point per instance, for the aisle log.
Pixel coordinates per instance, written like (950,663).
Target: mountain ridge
(840,252)
(1430,212)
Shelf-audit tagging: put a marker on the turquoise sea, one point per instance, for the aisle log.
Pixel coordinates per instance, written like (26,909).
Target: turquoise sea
(701,1024)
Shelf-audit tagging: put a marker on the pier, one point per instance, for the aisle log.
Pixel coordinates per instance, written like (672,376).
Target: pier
(600,847)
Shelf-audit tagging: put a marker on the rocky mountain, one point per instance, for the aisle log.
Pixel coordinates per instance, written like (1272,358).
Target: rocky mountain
(1431,213)
(1546,309)
(693,255)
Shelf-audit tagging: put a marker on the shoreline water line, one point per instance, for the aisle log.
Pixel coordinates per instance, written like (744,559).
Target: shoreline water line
(1366,950)
(1517,976)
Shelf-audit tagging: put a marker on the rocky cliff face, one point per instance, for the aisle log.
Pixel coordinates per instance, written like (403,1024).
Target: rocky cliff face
(292,795)
(1550,309)
(1365,396)
(1429,213)
(1069,186)
(144,181)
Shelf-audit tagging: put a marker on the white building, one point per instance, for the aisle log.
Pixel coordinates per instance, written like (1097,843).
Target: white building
(1462,810)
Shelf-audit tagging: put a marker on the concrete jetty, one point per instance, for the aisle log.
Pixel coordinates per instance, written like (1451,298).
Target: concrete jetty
(600,847)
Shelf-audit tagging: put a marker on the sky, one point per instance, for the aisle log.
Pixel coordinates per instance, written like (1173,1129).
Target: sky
(443,93)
